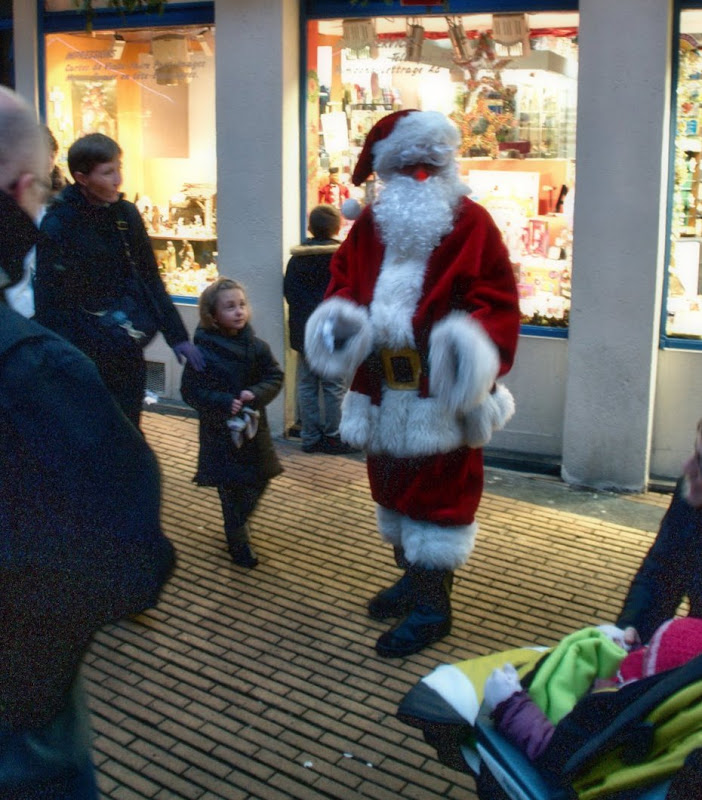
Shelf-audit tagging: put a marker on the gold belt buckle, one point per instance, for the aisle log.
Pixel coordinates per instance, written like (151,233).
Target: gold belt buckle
(401,368)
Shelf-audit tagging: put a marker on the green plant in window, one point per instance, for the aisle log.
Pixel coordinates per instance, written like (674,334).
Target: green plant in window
(124,6)
(545,320)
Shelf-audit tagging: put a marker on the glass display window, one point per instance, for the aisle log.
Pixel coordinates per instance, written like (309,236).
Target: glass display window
(153,91)
(510,88)
(683,305)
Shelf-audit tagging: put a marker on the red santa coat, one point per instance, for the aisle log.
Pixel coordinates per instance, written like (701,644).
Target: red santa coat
(420,460)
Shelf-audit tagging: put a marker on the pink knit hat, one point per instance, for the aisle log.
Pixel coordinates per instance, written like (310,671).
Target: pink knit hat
(673,644)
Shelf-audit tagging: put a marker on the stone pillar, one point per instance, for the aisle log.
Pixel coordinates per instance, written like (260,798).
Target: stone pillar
(258,165)
(619,240)
(24,23)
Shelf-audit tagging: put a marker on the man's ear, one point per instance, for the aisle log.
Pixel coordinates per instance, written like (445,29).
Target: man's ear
(21,186)
(80,178)
(25,194)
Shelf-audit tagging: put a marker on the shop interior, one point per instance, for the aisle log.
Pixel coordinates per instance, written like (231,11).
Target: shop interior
(684,301)
(509,82)
(153,91)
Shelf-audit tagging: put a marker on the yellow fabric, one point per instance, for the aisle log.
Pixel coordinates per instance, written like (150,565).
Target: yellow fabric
(570,670)
(678,721)
(478,669)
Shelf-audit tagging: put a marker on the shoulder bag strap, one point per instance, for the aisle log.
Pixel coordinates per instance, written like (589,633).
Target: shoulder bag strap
(123,228)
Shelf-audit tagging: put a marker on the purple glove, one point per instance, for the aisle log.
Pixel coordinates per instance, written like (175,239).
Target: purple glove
(187,351)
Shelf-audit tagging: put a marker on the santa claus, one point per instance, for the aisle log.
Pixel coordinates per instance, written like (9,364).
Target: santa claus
(422,316)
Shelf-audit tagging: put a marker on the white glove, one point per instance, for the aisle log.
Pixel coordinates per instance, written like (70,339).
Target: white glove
(501,684)
(338,337)
(252,417)
(243,425)
(615,634)
(337,329)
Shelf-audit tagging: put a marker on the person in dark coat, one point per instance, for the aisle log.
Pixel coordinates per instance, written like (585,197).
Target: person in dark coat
(81,543)
(672,569)
(306,280)
(240,378)
(97,280)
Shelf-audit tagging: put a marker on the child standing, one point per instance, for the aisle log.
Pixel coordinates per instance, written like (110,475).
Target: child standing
(240,378)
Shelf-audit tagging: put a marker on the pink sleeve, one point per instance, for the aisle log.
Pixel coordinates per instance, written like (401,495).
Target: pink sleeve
(520,720)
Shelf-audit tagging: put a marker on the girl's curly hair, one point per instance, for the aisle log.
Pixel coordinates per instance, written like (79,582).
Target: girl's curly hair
(207,304)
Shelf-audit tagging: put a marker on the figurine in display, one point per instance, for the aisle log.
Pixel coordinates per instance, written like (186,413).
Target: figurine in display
(171,261)
(333,193)
(186,255)
(156,220)
(146,218)
(422,316)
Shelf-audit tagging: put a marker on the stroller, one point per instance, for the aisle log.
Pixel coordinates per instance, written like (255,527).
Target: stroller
(641,742)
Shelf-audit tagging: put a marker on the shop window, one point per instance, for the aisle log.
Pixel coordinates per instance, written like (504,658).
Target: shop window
(684,300)
(513,100)
(153,90)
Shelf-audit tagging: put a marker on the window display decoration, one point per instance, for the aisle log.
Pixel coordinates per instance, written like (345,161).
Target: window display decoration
(684,300)
(123,6)
(506,119)
(487,118)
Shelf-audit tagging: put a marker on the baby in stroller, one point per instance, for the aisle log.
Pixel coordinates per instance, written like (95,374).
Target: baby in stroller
(551,720)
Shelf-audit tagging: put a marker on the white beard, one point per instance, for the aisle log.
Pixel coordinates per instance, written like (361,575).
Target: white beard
(413,217)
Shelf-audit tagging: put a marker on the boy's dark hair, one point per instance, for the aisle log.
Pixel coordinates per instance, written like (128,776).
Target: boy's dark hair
(89,151)
(324,222)
(207,304)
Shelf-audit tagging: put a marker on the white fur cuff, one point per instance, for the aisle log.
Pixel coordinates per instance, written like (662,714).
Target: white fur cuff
(463,363)
(491,415)
(338,337)
(433,546)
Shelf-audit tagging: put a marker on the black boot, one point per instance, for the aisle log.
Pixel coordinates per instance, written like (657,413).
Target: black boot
(427,622)
(398,599)
(240,549)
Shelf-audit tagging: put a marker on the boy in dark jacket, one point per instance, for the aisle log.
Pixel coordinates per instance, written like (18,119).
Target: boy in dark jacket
(240,378)
(306,280)
(97,281)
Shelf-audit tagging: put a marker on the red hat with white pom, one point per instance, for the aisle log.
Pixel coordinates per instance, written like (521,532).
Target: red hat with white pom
(673,644)
(403,138)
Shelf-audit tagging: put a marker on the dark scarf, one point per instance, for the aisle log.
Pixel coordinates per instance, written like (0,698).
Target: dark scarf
(18,234)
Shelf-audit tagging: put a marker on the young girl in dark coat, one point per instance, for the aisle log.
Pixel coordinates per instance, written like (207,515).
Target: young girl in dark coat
(240,378)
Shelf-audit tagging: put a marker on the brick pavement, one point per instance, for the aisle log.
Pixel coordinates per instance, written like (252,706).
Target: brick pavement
(264,685)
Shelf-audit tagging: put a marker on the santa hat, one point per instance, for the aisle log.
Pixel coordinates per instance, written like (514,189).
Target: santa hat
(673,644)
(403,138)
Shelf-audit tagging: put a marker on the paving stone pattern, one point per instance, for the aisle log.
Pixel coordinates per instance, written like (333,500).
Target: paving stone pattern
(264,684)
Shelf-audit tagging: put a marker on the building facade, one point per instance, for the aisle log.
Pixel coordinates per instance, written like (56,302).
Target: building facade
(612,396)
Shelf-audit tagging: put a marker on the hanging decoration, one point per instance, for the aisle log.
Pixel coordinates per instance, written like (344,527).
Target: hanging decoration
(123,6)
(487,118)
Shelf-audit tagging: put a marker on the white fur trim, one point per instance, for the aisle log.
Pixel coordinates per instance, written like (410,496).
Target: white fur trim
(406,425)
(492,415)
(395,297)
(463,363)
(358,419)
(421,136)
(350,327)
(433,546)
(389,525)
